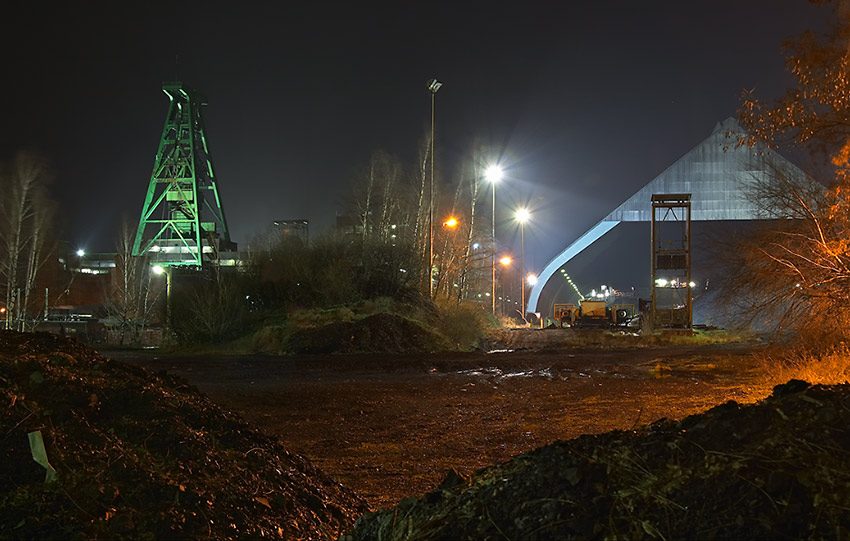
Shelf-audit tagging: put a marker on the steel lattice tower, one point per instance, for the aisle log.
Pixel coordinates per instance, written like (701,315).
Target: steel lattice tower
(182,221)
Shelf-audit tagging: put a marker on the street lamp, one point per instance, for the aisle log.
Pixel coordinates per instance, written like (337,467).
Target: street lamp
(493,174)
(433,86)
(504,261)
(159,269)
(522,216)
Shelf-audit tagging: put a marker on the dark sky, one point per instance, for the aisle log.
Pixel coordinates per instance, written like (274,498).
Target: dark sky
(586,102)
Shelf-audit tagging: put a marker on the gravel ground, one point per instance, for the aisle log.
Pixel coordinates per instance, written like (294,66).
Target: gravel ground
(392,426)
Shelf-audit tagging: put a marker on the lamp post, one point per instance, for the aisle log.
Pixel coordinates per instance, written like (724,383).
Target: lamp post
(433,86)
(493,175)
(522,216)
(504,261)
(159,269)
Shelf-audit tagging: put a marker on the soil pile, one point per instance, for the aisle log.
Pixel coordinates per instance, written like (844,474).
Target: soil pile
(776,469)
(378,333)
(143,456)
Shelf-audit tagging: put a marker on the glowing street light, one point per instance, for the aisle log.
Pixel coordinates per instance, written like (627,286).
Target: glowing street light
(493,174)
(451,222)
(505,261)
(531,279)
(522,216)
(81,252)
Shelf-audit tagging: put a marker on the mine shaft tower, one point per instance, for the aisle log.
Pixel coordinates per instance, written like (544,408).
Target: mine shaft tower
(183,221)
(671,301)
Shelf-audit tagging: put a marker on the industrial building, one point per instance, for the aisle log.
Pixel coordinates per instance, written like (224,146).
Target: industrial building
(616,253)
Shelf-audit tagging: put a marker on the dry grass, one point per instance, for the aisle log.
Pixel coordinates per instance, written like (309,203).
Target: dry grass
(568,338)
(829,368)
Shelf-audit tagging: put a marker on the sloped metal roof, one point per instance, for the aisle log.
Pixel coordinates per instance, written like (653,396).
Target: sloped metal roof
(717,174)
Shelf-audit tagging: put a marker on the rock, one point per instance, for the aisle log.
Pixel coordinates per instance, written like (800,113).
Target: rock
(793,386)
(453,479)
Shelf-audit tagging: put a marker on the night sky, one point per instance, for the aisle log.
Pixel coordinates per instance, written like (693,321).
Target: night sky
(585,102)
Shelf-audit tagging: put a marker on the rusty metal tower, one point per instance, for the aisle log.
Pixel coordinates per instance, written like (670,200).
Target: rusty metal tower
(183,221)
(671,301)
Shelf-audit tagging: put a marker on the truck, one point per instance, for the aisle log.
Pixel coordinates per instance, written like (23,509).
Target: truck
(592,313)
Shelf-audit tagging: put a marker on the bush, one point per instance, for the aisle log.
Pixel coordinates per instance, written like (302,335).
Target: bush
(334,270)
(315,317)
(464,326)
(209,310)
(271,339)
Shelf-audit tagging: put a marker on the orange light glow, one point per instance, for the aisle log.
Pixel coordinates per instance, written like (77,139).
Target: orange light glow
(505,260)
(451,222)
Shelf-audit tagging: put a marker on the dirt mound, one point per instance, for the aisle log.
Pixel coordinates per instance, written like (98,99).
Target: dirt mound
(143,455)
(776,469)
(556,339)
(378,333)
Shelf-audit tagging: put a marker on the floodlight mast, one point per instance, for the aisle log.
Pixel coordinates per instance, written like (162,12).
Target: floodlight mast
(522,216)
(433,86)
(493,174)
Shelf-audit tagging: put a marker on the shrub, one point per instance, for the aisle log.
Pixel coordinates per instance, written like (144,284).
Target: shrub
(317,317)
(465,326)
(335,269)
(209,310)
(270,339)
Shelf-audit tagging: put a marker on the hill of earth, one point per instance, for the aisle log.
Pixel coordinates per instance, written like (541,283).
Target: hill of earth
(778,469)
(126,453)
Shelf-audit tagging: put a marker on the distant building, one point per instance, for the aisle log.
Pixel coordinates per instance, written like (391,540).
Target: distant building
(299,229)
(349,224)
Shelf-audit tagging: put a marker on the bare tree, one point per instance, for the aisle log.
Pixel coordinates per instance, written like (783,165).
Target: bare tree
(793,273)
(421,225)
(380,196)
(816,111)
(457,258)
(132,295)
(26,215)
(473,184)
(798,268)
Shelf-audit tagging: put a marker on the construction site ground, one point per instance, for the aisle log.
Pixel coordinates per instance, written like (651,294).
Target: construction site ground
(391,426)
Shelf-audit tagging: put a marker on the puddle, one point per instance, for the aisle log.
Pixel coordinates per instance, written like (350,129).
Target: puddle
(493,372)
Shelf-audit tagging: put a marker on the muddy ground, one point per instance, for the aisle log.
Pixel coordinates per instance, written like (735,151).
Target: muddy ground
(391,426)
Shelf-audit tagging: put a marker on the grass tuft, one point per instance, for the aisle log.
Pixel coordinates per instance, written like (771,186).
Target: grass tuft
(829,367)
